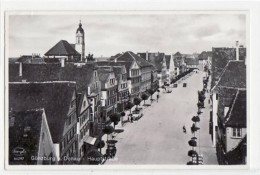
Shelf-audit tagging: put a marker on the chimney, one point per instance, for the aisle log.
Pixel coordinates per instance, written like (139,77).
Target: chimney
(20,69)
(146,56)
(237,50)
(62,61)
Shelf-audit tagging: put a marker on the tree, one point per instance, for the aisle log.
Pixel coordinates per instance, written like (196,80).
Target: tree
(122,114)
(129,106)
(108,130)
(101,145)
(115,118)
(144,97)
(151,92)
(137,101)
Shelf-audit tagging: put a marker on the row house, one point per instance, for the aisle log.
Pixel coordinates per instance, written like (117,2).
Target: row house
(158,61)
(231,144)
(108,91)
(154,79)
(58,99)
(121,71)
(145,69)
(133,77)
(205,60)
(179,63)
(232,78)
(85,141)
(191,63)
(30,141)
(122,87)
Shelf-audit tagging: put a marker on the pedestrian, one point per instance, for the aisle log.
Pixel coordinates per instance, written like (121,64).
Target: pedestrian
(157,97)
(184,129)
(132,119)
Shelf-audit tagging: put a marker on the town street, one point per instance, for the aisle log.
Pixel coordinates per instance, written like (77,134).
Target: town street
(158,138)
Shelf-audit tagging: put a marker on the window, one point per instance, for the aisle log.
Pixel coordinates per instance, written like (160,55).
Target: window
(216,96)
(84,104)
(237,132)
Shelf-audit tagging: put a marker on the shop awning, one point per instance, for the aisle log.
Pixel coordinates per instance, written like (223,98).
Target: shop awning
(89,140)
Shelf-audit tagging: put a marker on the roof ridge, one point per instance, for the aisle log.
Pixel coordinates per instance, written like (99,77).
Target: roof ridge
(131,55)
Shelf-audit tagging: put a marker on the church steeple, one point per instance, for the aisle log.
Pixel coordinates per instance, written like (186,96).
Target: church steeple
(80,41)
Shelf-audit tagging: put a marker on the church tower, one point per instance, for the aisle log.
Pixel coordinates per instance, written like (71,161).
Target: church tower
(80,42)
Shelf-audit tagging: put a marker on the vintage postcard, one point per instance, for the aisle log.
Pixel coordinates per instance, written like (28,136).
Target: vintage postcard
(126,88)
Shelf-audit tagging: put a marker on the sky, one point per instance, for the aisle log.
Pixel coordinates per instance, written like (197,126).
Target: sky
(107,35)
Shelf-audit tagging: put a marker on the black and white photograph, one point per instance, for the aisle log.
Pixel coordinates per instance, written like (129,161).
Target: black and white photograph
(127,89)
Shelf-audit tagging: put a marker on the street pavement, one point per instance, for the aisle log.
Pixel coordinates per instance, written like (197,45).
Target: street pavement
(158,138)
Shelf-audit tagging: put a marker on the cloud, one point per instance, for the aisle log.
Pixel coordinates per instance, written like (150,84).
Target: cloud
(109,34)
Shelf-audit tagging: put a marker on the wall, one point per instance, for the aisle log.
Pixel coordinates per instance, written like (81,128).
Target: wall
(46,147)
(231,142)
(214,117)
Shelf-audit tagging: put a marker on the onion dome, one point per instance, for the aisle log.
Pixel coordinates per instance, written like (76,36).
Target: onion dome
(80,29)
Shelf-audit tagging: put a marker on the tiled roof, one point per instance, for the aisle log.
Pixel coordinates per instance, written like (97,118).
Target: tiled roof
(54,97)
(236,117)
(127,64)
(130,56)
(177,54)
(12,60)
(24,132)
(14,72)
(82,75)
(191,61)
(118,71)
(103,75)
(62,48)
(30,59)
(220,58)
(156,59)
(233,76)
(204,55)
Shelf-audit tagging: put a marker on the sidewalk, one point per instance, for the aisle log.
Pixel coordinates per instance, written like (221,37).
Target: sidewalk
(205,143)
